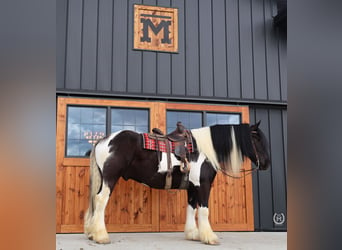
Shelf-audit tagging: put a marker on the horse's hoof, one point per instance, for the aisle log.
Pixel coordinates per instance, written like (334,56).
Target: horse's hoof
(210,238)
(214,242)
(103,241)
(192,235)
(101,237)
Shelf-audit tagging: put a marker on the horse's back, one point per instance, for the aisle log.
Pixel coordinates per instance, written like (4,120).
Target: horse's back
(124,141)
(124,138)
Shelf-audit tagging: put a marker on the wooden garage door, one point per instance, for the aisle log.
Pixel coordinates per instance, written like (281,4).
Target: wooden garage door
(134,207)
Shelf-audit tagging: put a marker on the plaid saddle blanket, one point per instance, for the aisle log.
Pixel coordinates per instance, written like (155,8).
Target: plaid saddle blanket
(160,145)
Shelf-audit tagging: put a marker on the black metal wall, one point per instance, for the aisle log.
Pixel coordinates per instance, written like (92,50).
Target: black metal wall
(229,52)
(270,186)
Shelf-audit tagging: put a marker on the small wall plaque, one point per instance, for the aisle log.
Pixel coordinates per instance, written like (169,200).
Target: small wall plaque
(279,219)
(155,28)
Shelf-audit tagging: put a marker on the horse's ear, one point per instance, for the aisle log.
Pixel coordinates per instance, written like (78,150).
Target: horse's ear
(256,126)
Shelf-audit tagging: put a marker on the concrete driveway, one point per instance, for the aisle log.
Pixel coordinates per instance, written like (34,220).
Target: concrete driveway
(176,241)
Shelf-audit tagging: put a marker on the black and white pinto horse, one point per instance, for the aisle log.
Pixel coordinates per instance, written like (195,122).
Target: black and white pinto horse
(217,148)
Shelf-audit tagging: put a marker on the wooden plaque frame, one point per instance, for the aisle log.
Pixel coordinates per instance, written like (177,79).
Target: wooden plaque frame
(155,28)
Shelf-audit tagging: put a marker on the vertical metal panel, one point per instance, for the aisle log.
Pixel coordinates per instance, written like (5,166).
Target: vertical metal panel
(191,48)
(121,45)
(149,65)
(219,49)
(149,72)
(89,45)
(284,117)
(178,60)
(164,65)
(233,49)
(278,169)
(264,179)
(283,68)
(74,41)
(61,26)
(164,73)
(259,59)
(104,56)
(246,52)
(134,57)
(272,54)
(205,48)
(269,187)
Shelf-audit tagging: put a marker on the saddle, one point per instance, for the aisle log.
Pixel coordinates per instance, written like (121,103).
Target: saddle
(180,138)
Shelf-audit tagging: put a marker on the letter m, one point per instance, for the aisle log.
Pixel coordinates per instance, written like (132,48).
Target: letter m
(163,25)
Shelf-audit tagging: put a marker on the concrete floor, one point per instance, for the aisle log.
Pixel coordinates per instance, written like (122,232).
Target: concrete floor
(175,241)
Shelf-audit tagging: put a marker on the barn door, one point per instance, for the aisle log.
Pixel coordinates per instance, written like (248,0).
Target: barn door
(231,200)
(134,207)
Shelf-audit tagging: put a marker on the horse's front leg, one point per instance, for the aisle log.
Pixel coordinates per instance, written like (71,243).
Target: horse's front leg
(191,230)
(206,234)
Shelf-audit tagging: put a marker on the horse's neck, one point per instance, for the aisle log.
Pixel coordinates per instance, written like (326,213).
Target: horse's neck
(204,144)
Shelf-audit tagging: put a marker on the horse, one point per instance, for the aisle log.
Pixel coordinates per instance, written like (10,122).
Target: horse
(215,148)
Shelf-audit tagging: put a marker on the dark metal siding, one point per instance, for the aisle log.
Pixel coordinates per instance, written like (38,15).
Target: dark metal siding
(61,23)
(270,186)
(228,50)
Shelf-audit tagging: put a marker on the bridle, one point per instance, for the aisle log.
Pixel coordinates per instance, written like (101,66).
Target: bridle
(256,153)
(248,171)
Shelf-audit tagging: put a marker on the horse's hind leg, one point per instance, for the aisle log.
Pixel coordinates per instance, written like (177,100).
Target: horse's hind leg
(191,230)
(97,230)
(111,174)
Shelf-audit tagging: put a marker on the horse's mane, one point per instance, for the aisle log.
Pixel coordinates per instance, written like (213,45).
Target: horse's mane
(225,146)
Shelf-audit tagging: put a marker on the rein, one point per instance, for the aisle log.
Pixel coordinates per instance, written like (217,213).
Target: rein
(248,171)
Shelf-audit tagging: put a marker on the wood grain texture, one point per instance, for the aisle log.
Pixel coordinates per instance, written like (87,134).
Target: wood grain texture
(156,15)
(134,207)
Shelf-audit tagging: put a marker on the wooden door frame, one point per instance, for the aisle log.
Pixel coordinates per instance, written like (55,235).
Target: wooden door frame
(157,119)
(180,195)
(62,161)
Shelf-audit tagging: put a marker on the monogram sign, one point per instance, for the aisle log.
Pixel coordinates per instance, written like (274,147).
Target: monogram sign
(279,219)
(155,28)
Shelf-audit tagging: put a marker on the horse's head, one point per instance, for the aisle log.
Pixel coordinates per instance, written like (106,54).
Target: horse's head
(260,145)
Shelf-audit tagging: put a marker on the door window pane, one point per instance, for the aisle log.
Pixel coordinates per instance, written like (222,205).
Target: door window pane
(222,118)
(85,126)
(194,119)
(189,119)
(130,119)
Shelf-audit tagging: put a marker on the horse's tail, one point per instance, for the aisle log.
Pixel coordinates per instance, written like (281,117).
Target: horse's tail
(95,186)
